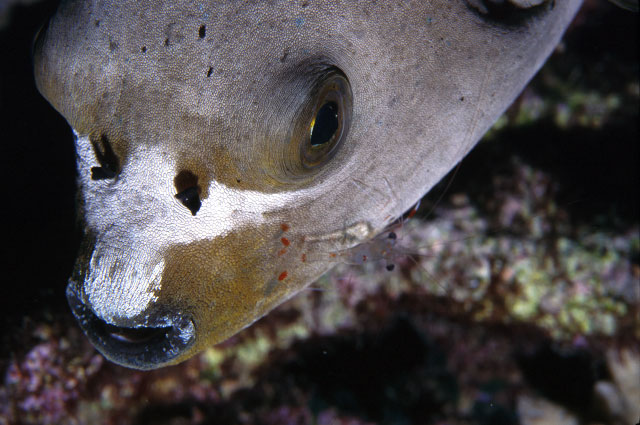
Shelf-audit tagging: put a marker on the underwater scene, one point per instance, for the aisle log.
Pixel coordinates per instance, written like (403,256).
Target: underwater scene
(509,295)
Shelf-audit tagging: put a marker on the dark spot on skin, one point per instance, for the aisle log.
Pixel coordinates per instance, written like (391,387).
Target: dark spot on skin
(390,267)
(97,22)
(113,45)
(392,235)
(284,56)
(209,72)
(202,31)
(238,180)
(144,49)
(462,99)
(108,160)
(166,41)
(186,184)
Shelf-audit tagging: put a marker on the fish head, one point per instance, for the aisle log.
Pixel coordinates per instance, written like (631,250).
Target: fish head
(228,151)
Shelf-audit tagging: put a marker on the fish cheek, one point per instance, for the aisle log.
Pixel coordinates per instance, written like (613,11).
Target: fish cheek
(224,283)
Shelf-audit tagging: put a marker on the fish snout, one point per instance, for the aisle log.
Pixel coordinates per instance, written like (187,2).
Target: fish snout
(148,343)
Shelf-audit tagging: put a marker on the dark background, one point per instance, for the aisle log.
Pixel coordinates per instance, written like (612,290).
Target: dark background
(38,167)
(38,164)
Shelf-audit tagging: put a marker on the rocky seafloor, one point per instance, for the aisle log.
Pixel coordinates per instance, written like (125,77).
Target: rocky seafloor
(514,296)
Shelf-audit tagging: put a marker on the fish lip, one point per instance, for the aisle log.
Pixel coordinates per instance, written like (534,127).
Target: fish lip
(155,344)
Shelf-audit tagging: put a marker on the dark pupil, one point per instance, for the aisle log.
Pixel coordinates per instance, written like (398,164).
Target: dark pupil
(326,124)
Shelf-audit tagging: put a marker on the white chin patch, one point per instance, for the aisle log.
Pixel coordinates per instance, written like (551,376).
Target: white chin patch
(121,284)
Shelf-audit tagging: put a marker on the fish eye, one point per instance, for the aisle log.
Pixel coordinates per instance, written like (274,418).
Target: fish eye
(328,120)
(324,125)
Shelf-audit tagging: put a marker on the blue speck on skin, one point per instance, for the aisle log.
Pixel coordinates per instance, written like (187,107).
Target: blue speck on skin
(429,20)
(299,22)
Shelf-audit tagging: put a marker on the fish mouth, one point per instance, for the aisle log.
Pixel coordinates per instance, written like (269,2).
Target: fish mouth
(161,339)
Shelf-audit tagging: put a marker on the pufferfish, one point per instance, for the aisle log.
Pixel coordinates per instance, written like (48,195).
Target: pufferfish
(224,147)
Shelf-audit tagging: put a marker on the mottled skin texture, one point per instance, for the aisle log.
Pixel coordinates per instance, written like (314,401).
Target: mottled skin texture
(222,90)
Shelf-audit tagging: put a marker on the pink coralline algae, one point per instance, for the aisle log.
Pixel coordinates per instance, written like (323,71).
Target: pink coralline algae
(46,384)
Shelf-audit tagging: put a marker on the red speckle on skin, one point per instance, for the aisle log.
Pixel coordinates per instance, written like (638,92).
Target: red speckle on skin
(284,227)
(364,258)
(283,275)
(412,213)
(282,252)
(332,255)
(303,257)
(285,241)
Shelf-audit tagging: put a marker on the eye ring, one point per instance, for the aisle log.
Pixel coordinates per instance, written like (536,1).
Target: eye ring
(328,122)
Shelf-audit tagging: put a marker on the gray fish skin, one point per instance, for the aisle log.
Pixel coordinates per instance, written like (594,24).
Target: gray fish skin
(203,203)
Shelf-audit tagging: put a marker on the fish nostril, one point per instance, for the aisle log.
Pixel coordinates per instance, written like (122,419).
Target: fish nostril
(108,160)
(186,184)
